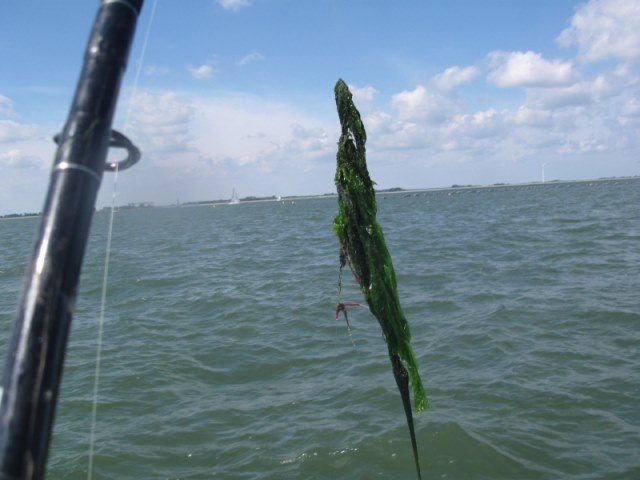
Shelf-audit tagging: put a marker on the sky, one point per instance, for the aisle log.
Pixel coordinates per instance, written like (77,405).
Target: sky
(239,93)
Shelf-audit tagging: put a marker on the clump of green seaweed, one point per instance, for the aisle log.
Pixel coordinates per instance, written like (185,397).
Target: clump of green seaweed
(363,248)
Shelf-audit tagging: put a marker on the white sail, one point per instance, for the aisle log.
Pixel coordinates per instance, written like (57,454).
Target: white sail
(234,198)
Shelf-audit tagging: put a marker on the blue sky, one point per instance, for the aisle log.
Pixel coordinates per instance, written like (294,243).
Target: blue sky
(239,93)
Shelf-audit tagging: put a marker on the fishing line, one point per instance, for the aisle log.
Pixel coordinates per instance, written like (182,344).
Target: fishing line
(107,257)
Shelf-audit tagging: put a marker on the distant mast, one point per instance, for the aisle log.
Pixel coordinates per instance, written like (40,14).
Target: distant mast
(234,197)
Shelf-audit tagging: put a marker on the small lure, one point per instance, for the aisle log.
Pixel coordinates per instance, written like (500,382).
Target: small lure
(363,249)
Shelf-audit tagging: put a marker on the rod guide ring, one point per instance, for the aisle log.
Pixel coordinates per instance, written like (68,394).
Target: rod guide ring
(118,140)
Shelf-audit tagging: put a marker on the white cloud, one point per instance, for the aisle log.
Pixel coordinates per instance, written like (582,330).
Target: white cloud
(6,106)
(449,146)
(16,158)
(482,124)
(419,104)
(624,73)
(363,97)
(234,5)
(310,142)
(630,112)
(530,117)
(249,58)
(160,125)
(528,69)
(11,131)
(386,132)
(202,72)
(631,108)
(579,94)
(582,146)
(364,94)
(390,133)
(604,86)
(604,29)
(242,129)
(455,76)
(377,121)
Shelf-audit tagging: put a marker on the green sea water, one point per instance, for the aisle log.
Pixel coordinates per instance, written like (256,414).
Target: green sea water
(222,357)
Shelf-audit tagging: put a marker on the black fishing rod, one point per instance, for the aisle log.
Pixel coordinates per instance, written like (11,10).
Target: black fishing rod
(35,355)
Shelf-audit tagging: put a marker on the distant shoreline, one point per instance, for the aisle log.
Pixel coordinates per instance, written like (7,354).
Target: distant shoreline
(387,191)
(394,191)
(17,216)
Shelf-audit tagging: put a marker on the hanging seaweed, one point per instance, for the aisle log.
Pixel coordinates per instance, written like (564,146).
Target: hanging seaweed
(363,249)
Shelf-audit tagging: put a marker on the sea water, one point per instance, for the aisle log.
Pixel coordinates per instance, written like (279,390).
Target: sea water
(222,357)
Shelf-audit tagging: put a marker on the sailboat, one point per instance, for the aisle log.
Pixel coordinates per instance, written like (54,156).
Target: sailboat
(234,198)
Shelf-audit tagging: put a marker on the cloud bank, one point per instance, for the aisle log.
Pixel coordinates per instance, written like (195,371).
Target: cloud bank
(497,119)
(603,29)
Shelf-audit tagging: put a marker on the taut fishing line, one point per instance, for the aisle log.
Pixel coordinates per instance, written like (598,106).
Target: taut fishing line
(107,257)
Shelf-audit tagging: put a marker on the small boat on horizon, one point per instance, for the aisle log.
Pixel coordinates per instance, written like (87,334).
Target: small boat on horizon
(234,197)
